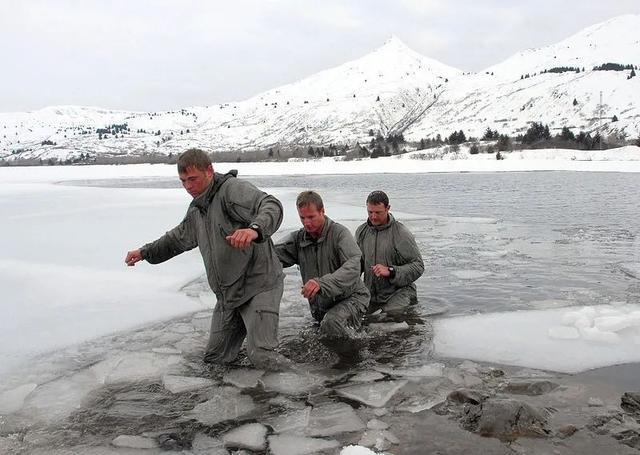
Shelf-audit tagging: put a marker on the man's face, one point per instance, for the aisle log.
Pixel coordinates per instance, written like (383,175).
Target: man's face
(378,214)
(312,219)
(196,181)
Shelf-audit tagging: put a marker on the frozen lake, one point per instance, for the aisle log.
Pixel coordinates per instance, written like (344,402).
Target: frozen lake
(532,269)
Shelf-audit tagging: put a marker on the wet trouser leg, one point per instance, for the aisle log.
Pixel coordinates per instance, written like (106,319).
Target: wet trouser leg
(399,301)
(258,321)
(344,319)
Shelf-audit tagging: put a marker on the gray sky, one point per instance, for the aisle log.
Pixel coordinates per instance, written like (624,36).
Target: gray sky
(165,54)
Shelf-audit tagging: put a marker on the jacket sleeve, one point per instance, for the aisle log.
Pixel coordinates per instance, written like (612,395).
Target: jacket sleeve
(287,250)
(411,266)
(336,283)
(178,240)
(249,205)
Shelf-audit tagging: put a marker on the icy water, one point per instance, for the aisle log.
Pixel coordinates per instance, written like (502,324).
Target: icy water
(491,242)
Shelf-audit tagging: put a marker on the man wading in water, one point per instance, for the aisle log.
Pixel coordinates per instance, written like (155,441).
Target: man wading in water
(231,222)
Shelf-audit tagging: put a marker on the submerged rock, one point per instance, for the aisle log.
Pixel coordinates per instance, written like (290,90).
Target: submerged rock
(251,436)
(376,394)
(297,445)
(630,402)
(505,419)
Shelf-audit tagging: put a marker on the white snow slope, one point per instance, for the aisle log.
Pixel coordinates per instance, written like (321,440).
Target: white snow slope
(391,90)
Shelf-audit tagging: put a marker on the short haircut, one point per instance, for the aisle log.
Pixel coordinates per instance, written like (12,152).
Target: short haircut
(309,197)
(193,158)
(378,197)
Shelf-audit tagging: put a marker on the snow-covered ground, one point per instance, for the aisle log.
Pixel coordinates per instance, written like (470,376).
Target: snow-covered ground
(63,278)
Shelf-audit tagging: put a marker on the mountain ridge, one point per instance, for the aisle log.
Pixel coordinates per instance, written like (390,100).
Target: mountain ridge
(391,90)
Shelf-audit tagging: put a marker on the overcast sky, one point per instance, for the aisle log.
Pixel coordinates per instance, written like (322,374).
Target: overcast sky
(165,54)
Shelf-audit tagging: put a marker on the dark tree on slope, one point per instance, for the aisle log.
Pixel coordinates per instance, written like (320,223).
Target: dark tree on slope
(504,143)
(457,137)
(614,118)
(490,134)
(567,135)
(537,132)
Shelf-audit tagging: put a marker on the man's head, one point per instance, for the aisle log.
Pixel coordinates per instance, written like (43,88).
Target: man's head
(311,212)
(195,171)
(378,208)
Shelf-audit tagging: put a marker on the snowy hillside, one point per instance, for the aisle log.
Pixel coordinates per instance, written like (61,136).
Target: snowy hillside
(390,90)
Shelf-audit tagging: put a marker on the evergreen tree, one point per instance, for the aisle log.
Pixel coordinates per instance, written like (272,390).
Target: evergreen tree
(567,135)
(614,118)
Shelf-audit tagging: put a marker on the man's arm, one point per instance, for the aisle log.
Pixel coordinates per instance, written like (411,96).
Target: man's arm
(178,240)
(287,250)
(334,284)
(253,207)
(411,265)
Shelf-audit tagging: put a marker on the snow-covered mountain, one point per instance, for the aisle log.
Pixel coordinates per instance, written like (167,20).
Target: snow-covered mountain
(390,90)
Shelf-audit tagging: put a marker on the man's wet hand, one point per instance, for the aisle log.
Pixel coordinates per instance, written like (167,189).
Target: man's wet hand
(310,289)
(242,238)
(133,257)
(380,270)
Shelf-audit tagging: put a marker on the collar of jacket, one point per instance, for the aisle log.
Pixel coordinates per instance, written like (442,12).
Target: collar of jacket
(382,227)
(308,240)
(203,201)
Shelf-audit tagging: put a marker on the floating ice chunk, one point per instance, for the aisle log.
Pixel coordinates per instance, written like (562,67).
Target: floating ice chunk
(134,442)
(616,323)
(334,418)
(140,366)
(55,400)
(533,338)
(563,333)
(570,317)
(243,378)
(289,383)
(12,400)
(594,334)
(367,376)
(227,404)
(470,274)
(297,445)
(179,384)
(251,436)
(294,421)
(375,395)
(356,450)
(388,327)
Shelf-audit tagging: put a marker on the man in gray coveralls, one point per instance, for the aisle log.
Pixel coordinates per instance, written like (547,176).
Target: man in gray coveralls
(231,222)
(392,259)
(329,261)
